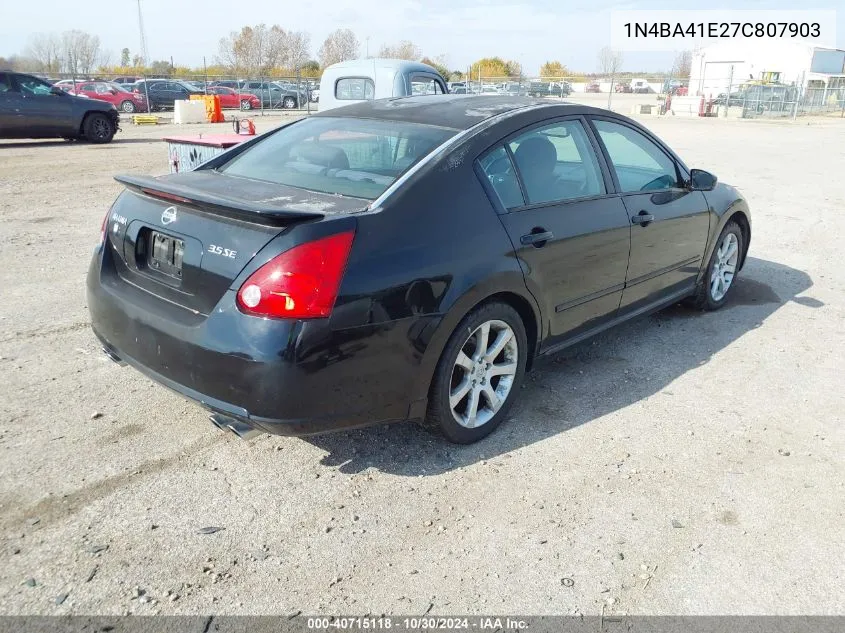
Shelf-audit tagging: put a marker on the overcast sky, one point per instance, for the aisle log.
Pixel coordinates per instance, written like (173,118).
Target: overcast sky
(529,31)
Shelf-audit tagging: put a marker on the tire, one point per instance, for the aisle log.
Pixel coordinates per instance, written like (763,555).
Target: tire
(477,376)
(127,106)
(724,262)
(289,103)
(98,128)
(246,104)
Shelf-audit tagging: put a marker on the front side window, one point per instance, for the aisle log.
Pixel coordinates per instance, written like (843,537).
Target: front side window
(4,83)
(344,156)
(354,89)
(33,86)
(639,163)
(557,162)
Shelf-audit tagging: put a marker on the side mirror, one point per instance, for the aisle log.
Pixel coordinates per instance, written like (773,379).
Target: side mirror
(701,180)
(55,90)
(112,91)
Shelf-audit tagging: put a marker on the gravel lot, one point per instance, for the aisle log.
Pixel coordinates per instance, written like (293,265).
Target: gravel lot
(688,464)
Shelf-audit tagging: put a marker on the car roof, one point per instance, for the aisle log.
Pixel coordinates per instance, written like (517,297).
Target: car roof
(401,65)
(458,112)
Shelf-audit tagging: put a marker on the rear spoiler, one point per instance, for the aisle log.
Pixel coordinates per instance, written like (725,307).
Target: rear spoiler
(222,205)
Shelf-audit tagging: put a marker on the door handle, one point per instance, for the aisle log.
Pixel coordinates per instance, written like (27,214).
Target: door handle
(536,239)
(643,218)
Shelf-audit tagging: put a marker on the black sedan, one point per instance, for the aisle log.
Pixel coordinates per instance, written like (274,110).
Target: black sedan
(163,93)
(404,259)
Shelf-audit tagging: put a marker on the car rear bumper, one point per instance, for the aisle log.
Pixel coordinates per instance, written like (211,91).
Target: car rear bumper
(282,377)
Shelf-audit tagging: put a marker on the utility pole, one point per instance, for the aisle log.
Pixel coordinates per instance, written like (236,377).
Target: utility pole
(144,58)
(368,47)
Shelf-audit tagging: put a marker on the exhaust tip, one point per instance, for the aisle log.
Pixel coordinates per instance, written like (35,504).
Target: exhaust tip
(114,357)
(241,429)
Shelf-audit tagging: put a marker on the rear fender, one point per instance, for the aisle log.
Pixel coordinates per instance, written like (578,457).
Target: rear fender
(435,334)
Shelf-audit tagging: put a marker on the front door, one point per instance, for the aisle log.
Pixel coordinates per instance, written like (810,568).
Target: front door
(45,113)
(572,239)
(669,223)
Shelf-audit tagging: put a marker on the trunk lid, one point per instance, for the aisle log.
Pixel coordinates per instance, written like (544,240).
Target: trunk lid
(186,237)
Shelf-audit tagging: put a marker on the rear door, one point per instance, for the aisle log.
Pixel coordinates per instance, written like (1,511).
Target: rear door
(669,223)
(571,235)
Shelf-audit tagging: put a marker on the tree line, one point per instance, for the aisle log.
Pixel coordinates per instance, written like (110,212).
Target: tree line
(263,50)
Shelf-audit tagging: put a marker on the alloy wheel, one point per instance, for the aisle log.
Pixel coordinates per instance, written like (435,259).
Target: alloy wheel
(724,267)
(483,374)
(102,128)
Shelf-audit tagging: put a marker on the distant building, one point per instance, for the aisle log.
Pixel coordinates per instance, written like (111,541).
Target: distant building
(821,71)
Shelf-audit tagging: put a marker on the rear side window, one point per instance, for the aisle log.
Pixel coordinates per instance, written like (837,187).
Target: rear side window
(425,85)
(354,89)
(556,162)
(639,163)
(498,169)
(345,156)
(5,85)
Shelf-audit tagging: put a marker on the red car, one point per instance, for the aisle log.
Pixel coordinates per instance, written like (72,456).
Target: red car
(232,99)
(593,87)
(115,94)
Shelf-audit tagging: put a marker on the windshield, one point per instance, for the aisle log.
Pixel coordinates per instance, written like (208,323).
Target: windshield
(345,156)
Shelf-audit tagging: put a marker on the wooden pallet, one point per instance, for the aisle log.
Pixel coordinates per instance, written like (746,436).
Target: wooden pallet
(144,119)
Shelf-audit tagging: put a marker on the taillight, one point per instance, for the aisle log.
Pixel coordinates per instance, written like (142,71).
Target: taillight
(301,283)
(103,226)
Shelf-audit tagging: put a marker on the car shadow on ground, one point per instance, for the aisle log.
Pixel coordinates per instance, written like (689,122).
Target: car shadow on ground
(586,381)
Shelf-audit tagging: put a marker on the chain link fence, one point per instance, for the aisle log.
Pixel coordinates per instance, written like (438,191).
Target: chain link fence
(751,98)
(717,96)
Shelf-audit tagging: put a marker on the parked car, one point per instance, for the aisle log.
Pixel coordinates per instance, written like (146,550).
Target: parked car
(163,93)
(32,108)
(358,80)
(123,99)
(675,87)
(272,95)
(67,84)
(227,83)
(761,97)
(233,99)
(350,294)
(623,88)
(548,89)
(593,86)
(126,80)
(640,86)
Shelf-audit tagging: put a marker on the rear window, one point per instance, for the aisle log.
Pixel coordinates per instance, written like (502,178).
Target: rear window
(344,156)
(354,89)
